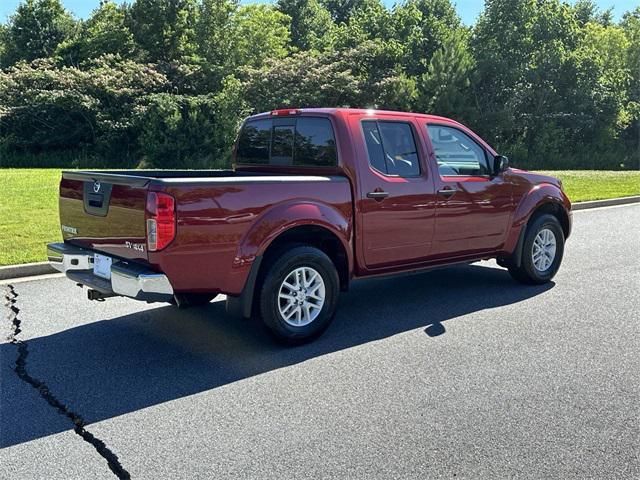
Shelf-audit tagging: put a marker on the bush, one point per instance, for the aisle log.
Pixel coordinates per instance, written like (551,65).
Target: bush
(49,159)
(179,131)
(45,109)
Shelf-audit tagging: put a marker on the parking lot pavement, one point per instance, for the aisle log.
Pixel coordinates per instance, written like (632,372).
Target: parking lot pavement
(459,372)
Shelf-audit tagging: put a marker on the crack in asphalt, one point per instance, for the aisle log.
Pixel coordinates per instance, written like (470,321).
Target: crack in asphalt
(21,370)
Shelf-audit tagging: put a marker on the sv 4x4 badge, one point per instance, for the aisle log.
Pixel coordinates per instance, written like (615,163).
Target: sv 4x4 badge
(135,246)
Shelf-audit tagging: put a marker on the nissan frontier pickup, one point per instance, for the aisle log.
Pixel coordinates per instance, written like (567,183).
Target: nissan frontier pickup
(315,199)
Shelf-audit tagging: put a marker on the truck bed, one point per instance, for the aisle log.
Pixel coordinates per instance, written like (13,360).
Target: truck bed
(137,176)
(216,212)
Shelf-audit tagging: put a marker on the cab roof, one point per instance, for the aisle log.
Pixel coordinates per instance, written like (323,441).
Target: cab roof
(345,112)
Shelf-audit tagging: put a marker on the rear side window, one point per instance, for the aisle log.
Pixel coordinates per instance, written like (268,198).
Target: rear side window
(304,141)
(315,144)
(254,143)
(391,148)
(457,153)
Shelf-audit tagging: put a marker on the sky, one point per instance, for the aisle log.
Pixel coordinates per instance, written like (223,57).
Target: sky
(467,9)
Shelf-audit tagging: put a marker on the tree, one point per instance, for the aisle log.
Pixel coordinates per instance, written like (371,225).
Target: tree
(546,85)
(444,89)
(261,32)
(330,79)
(371,21)
(524,72)
(553,83)
(422,26)
(3,40)
(311,23)
(631,27)
(374,63)
(105,32)
(35,30)
(341,10)
(602,81)
(214,33)
(303,79)
(367,47)
(164,29)
(586,11)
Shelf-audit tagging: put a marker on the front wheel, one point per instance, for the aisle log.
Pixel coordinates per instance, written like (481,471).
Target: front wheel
(541,252)
(299,295)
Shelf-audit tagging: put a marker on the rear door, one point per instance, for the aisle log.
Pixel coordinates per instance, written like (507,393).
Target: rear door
(396,195)
(473,205)
(104,212)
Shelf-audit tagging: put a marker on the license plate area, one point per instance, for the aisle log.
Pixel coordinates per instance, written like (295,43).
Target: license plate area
(102,266)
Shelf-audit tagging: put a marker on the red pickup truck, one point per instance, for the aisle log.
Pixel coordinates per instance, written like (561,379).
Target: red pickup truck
(316,198)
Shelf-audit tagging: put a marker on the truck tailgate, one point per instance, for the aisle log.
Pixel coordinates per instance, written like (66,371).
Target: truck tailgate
(105,212)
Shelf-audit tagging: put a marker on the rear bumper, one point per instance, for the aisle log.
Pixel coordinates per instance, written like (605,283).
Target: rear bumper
(127,279)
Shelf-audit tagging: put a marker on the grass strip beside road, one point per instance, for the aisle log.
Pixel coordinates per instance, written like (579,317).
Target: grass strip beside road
(585,185)
(29,205)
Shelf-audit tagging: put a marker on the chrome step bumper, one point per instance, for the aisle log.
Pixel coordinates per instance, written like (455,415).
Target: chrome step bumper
(127,278)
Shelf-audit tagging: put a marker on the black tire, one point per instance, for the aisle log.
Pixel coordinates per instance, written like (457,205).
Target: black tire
(279,268)
(527,271)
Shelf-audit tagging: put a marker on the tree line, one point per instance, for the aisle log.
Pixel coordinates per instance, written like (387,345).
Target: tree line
(165,83)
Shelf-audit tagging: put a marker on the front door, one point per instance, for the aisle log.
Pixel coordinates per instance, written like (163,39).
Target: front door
(474,206)
(396,196)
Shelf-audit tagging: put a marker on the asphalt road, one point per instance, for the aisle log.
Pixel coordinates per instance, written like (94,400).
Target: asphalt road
(452,373)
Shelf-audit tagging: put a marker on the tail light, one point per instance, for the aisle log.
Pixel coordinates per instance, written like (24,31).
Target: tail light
(161,220)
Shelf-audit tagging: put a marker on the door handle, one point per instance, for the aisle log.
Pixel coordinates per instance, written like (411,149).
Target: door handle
(378,195)
(447,191)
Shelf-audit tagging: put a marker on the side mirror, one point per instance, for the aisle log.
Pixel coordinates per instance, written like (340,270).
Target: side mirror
(500,164)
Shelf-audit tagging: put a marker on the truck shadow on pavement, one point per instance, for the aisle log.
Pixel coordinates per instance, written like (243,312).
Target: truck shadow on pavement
(119,365)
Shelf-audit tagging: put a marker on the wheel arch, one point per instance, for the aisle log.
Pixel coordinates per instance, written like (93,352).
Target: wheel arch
(318,236)
(542,199)
(295,223)
(556,209)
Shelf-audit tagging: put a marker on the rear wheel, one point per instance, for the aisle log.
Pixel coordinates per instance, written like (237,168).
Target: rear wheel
(299,294)
(541,252)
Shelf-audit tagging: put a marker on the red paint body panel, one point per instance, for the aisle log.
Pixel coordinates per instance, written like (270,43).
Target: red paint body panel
(221,228)
(225,220)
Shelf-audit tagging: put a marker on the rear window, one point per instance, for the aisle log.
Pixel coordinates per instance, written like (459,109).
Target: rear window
(282,145)
(304,141)
(391,148)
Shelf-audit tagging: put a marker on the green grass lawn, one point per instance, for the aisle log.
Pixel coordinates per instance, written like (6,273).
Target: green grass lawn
(29,205)
(28,214)
(583,185)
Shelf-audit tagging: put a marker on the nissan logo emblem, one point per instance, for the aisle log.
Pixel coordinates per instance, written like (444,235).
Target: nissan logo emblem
(96,186)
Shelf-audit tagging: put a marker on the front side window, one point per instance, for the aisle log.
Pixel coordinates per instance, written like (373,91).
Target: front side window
(457,153)
(304,141)
(391,148)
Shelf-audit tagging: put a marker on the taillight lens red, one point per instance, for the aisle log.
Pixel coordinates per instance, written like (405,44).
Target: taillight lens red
(161,220)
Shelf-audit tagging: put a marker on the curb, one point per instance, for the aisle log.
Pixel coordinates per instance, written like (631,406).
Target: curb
(26,270)
(605,203)
(44,268)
